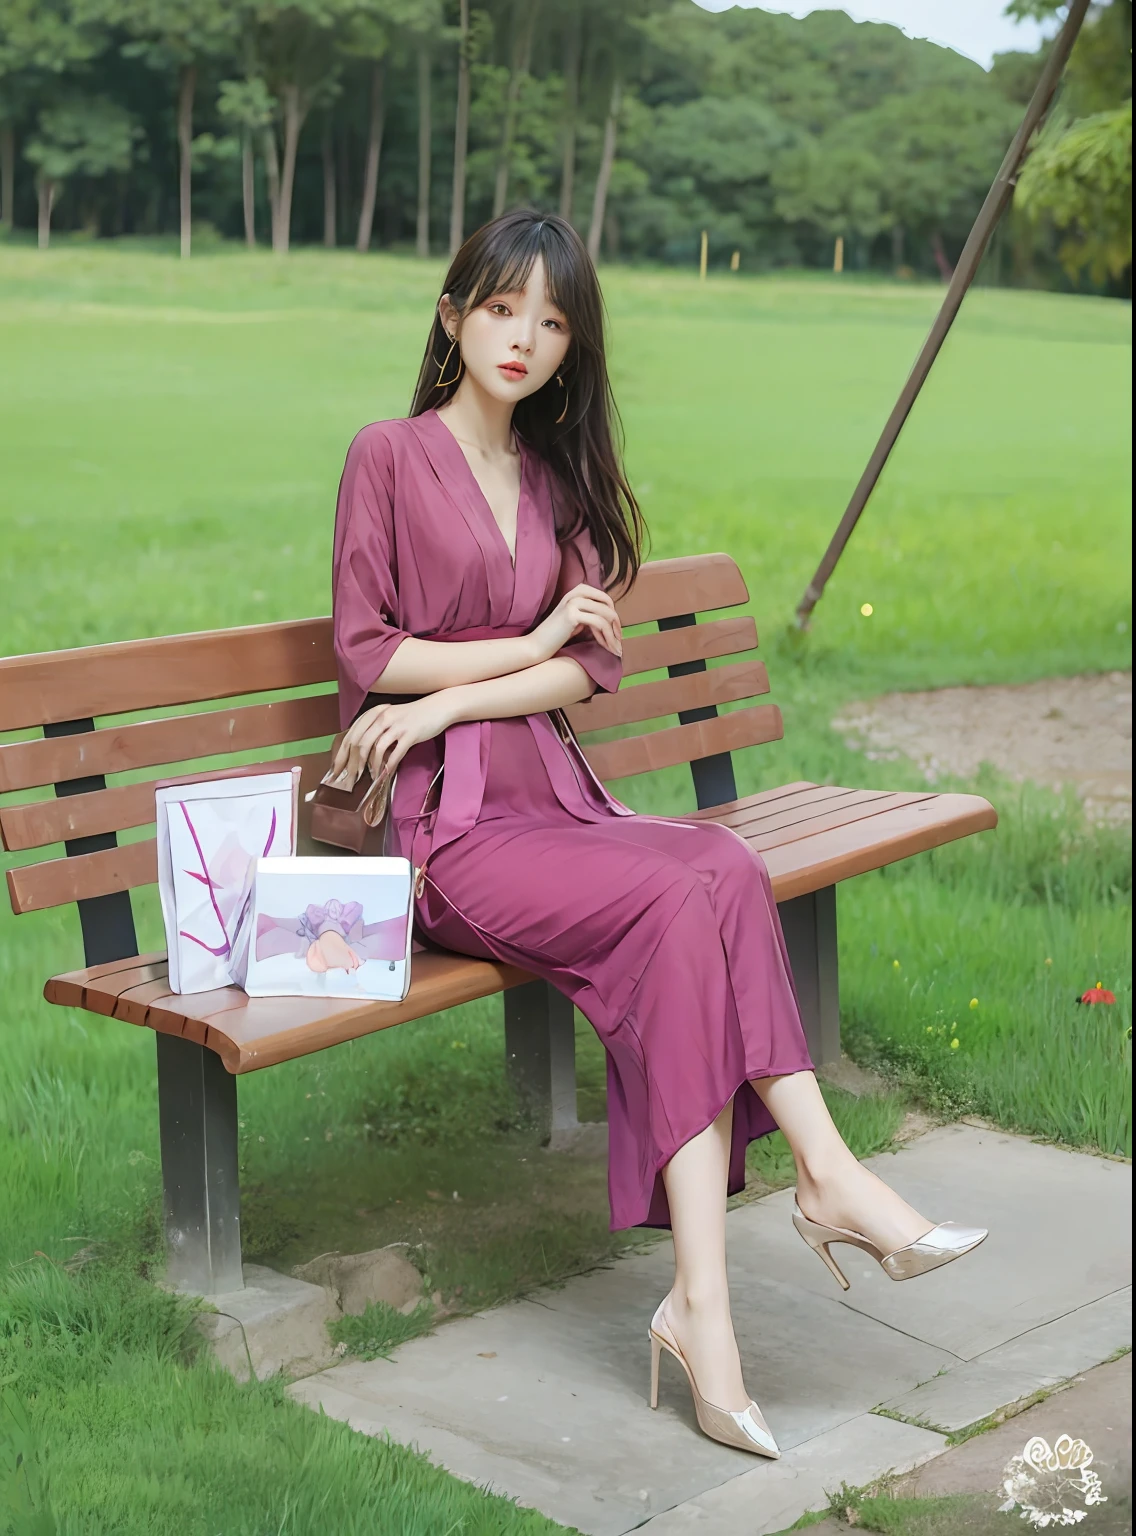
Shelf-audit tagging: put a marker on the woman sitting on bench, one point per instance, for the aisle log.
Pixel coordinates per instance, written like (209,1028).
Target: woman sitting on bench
(474,544)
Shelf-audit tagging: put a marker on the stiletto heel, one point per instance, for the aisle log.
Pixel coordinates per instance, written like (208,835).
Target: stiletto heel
(746,1431)
(938,1246)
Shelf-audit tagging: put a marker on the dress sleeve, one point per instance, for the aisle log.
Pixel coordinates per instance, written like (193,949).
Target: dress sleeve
(580,561)
(364,582)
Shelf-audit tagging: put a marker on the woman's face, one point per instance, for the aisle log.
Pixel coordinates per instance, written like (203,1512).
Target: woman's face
(512,343)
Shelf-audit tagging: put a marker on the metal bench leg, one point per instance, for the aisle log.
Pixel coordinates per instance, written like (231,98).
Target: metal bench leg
(540,1050)
(197,1114)
(197,1098)
(809,925)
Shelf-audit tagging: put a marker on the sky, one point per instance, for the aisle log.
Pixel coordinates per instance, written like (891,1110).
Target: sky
(976,28)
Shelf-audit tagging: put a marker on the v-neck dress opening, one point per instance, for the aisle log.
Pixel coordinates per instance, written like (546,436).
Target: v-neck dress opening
(523,453)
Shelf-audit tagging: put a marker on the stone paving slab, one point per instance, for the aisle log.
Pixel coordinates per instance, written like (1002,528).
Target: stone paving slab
(1040,1358)
(773,1495)
(1060,1236)
(545,1399)
(1095,1407)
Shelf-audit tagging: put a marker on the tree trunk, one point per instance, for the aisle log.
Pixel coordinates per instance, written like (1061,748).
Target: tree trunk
(522,54)
(187,84)
(248,189)
(897,241)
(461,136)
(374,152)
(422,233)
(7,175)
(327,153)
(272,173)
(294,114)
(946,271)
(607,160)
(571,108)
(46,192)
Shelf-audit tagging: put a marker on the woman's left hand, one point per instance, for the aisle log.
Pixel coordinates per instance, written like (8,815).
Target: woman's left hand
(382,736)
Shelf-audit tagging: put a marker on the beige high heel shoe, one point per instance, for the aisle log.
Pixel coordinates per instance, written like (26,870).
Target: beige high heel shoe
(949,1240)
(747,1430)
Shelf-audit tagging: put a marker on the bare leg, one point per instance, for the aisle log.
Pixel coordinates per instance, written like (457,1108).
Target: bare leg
(697,1310)
(831,1185)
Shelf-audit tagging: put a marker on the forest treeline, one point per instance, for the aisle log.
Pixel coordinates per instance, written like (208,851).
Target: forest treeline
(407,123)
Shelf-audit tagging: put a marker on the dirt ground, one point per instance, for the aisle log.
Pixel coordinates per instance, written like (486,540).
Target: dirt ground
(1063,730)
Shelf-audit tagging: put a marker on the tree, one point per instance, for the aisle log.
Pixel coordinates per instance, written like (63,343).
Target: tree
(84,136)
(295,44)
(1079,175)
(39,40)
(571,72)
(524,22)
(1081,178)
(247,106)
(175,35)
(461,131)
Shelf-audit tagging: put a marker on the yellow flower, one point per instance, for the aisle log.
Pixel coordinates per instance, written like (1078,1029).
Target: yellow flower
(1048,960)
(954,1045)
(895,965)
(930,1029)
(866,610)
(974,1002)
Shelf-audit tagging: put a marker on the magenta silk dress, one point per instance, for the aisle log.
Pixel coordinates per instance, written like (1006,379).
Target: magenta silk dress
(664,933)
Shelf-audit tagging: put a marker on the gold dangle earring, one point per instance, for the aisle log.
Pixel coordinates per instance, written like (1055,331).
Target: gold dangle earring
(441,382)
(564,387)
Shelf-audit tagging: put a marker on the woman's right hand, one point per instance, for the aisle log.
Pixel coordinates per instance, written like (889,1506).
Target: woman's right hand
(584,607)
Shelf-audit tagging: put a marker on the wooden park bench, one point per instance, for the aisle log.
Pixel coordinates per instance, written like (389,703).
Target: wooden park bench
(810,835)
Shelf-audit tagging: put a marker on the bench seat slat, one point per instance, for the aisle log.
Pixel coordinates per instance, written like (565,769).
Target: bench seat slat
(252,1032)
(761,822)
(249,1033)
(825,857)
(175,739)
(684,743)
(111,810)
(651,701)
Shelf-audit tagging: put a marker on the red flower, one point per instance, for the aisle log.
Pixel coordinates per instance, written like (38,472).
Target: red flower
(1097,994)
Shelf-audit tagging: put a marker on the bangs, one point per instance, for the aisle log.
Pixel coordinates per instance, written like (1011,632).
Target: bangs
(508,262)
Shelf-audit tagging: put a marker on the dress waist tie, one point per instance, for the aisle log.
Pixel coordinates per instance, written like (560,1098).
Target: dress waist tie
(462,758)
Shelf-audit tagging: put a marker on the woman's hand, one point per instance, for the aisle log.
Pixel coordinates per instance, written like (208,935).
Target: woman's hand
(382,736)
(584,607)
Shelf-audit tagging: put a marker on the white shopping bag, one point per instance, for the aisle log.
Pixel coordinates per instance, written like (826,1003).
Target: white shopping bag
(331,927)
(212,829)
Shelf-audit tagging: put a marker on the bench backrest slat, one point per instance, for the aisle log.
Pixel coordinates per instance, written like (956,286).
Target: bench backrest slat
(176,739)
(155,674)
(70,688)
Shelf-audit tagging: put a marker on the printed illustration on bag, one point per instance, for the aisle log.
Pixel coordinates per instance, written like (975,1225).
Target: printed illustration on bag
(331,936)
(331,927)
(227,877)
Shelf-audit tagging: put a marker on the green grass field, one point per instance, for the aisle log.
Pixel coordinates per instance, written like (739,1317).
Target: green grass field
(170,440)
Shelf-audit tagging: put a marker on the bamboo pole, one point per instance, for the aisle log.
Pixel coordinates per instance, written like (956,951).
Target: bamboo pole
(997,199)
(702,257)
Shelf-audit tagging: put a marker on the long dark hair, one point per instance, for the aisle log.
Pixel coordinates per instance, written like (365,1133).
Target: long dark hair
(582,449)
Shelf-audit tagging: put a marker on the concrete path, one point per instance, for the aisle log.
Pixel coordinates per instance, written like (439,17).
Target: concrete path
(544,1399)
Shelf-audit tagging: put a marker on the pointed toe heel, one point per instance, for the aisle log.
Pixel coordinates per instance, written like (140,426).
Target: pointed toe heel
(745,1431)
(949,1240)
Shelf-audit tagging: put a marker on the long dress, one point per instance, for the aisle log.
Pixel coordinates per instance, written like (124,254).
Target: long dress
(664,933)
